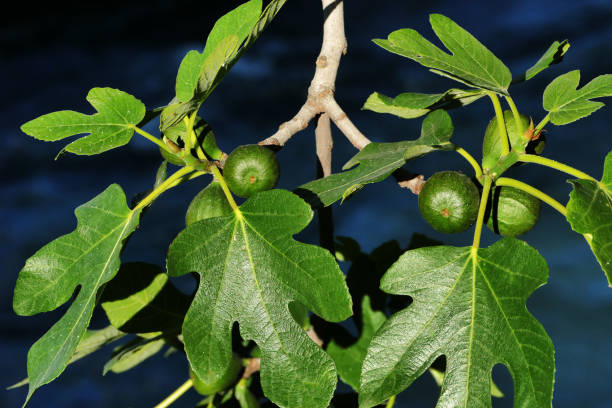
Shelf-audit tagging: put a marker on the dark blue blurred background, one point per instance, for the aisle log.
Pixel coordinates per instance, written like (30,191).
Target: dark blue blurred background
(52,56)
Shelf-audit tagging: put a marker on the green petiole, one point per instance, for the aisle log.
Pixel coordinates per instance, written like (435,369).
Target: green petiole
(530,158)
(510,182)
(470,159)
(176,394)
(391,402)
(151,138)
(515,113)
(501,124)
(542,123)
(230,199)
(481,212)
(173,180)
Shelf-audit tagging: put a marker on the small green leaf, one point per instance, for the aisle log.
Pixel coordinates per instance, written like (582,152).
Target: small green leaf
(410,105)
(565,103)
(553,55)
(132,354)
(250,270)
(198,71)
(589,212)
(348,360)
(86,258)
(140,299)
(468,305)
(378,160)
(470,62)
(112,126)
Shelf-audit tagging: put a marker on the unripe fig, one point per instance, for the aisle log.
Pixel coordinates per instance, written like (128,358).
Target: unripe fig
(228,378)
(449,202)
(208,203)
(511,211)
(250,169)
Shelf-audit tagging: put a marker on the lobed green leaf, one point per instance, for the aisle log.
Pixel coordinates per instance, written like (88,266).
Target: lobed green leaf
(470,307)
(378,160)
(589,212)
(565,103)
(86,259)
(470,62)
(250,271)
(112,126)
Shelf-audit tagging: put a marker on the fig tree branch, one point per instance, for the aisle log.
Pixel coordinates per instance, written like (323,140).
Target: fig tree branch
(320,99)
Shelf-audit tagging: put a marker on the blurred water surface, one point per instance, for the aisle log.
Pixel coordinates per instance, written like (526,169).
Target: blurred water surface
(52,56)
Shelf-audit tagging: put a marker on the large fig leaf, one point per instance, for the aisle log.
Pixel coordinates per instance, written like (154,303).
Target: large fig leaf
(589,212)
(470,62)
(112,126)
(378,160)
(470,307)
(86,259)
(250,270)
(565,103)
(409,105)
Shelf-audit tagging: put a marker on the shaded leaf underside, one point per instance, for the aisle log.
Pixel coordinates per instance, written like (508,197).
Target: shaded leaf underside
(410,105)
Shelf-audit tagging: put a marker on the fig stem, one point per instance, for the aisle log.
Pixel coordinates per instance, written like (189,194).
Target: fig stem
(176,394)
(481,213)
(531,158)
(230,199)
(542,123)
(515,113)
(470,160)
(501,123)
(152,138)
(510,182)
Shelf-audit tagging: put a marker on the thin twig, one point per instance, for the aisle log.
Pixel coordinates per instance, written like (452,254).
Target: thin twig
(320,98)
(325,143)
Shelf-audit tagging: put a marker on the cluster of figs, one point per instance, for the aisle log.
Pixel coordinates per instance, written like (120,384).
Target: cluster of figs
(449,200)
